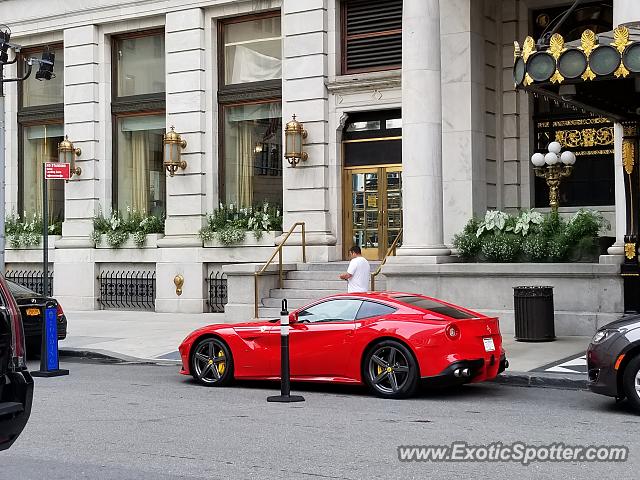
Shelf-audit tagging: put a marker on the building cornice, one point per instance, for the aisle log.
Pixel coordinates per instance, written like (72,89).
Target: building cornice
(365,82)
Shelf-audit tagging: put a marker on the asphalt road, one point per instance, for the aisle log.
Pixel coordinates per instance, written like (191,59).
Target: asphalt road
(123,421)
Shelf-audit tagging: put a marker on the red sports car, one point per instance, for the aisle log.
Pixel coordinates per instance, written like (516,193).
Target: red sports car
(387,340)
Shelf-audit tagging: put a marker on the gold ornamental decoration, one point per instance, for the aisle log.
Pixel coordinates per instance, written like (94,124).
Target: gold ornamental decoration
(516,51)
(528,47)
(556,47)
(588,43)
(621,41)
(630,250)
(628,156)
(585,138)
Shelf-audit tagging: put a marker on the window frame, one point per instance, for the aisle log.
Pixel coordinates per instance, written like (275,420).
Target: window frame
(244,91)
(343,46)
(237,95)
(393,309)
(49,114)
(131,105)
(346,299)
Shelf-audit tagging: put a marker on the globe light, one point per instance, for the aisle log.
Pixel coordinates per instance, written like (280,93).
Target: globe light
(551,158)
(568,158)
(537,159)
(554,147)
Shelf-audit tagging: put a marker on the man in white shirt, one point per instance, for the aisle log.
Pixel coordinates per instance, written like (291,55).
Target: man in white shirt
(358,274)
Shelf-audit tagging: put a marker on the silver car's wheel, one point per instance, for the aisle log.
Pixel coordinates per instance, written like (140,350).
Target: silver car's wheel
(631,382)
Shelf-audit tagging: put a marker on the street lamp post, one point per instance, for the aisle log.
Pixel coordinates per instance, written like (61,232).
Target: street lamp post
(45,72)
(553,167)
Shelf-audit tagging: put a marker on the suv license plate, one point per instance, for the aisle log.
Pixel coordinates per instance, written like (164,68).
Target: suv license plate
(33,312)
(488,345)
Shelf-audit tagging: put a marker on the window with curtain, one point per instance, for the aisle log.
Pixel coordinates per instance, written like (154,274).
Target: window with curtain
(40,145)
(253,154)
(141,178)
(41,128)
(138,107)
(252,51)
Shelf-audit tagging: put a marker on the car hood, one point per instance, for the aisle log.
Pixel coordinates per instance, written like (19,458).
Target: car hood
(628,321)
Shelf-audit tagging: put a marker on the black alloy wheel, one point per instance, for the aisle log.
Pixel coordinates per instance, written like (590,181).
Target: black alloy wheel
(390,370)
(212,363)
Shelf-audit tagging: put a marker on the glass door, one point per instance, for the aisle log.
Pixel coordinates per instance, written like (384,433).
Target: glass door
(373,209)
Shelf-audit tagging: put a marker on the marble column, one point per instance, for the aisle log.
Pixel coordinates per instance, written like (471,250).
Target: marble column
(422,131)
(617,249)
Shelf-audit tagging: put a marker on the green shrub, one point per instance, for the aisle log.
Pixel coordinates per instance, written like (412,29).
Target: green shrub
(467,244)
(118,228)
(501,247)
(535,247)
(26,231)
(229,224)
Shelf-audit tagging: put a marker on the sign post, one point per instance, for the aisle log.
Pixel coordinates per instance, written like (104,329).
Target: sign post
(49,360)
(285,382)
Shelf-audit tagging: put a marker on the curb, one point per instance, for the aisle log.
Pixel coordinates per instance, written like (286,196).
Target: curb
(112,357)
(543,380)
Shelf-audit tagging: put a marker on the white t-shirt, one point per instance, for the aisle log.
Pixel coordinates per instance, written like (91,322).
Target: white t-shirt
(360,275)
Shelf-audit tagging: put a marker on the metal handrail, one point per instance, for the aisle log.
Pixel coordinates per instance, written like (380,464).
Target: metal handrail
(392,248)
(278,251)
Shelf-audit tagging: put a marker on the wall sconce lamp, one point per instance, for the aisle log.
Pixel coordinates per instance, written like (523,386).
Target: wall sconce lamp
(173,146)
(67,153)
(294,132)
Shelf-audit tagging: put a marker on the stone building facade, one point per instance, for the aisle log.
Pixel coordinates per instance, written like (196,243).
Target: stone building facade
(449,123)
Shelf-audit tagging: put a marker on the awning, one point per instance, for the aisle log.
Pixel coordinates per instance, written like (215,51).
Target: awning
(598,73)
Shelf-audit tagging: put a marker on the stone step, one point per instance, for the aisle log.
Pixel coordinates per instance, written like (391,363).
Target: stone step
(314,275)
(293,303)
(268,313)
(315,284)
(310,294)
(329,266)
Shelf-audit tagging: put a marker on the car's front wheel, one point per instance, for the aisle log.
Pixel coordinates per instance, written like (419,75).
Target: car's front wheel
(212,363)
(390,370)
(631,382)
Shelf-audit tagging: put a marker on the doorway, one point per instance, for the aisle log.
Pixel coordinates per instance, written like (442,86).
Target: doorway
(373,213)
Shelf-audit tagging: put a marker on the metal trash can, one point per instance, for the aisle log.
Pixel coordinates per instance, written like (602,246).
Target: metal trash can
(533,310)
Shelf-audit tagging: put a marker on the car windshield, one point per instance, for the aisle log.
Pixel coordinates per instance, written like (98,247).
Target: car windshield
(17,289)
(435,307)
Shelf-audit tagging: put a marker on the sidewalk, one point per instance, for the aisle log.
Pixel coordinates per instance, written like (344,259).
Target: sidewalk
(154,337)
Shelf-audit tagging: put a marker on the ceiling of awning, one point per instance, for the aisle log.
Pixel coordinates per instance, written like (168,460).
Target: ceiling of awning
(598,73)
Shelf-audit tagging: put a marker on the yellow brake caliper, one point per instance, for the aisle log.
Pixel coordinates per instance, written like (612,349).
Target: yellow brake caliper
(221,364)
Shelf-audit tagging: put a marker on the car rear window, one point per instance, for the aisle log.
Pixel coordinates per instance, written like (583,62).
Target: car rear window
(435,307)
(17,289)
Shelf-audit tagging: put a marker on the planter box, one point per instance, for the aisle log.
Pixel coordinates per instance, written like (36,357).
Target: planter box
(150,242)
(268,239)
(52,241)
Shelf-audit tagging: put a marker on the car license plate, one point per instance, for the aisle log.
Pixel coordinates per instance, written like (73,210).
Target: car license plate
(488,344)
(33,312)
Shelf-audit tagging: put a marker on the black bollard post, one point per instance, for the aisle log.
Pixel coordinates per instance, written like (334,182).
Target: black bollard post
(285,381)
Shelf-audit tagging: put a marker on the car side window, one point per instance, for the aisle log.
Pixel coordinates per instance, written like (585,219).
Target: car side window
(373,309)
(331,311)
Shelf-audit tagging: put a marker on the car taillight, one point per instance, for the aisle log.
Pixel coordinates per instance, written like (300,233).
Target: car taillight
(452,331)
(60,312)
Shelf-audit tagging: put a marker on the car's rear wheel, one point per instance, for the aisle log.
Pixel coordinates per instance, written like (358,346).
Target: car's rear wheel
(390,370)
(631,382)
(212,363)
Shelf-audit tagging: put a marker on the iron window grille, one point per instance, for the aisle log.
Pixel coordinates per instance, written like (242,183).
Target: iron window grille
(129,290)
(217,289)
(31,279)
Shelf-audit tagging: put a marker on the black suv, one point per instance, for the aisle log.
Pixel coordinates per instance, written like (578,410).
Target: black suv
(16,385)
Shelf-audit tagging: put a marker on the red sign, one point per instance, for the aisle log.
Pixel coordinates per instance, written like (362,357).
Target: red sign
(57,171)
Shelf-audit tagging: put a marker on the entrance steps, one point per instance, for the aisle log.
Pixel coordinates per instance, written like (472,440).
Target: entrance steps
(309,282)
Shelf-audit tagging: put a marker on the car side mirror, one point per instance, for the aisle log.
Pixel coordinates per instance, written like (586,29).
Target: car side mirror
(293,317)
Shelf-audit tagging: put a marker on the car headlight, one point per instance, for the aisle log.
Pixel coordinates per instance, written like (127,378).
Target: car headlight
(603,335)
